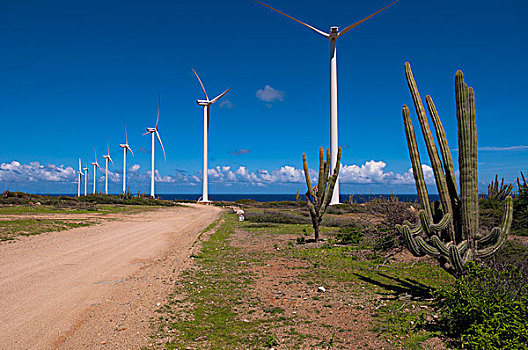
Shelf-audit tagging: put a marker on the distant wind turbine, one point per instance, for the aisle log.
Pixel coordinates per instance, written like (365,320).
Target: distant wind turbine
(86,180)
(80,175)
(332,36)
(206,104)
(107,158)
(153,131)
(95,165)
(125,148)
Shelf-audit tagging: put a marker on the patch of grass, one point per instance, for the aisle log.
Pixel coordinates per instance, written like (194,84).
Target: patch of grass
(202,311)
(212,298)
(9,230)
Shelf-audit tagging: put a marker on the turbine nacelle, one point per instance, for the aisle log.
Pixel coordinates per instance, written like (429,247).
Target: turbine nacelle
(150,130)
(203,102)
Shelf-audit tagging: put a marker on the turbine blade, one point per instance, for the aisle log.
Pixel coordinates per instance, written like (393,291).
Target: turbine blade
(110,159)
(163,149)
(219,96)
(326,35)
(203,88)
(157,119)
(130,149)
(364,19)
(148,132)
(95,152)
(79,164)
(126,136)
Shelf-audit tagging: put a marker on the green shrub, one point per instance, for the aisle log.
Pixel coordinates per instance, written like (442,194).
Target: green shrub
(276,217)
(520,212)
(349,235)
(487,308)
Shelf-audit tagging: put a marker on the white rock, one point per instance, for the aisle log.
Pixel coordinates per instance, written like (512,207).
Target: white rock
(321,289)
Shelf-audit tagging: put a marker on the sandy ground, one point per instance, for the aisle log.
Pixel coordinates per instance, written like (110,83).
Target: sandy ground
(95,287)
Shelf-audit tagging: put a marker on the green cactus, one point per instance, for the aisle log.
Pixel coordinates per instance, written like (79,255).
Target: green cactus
(448,230)
(499,191)
(318,197)
(522,185)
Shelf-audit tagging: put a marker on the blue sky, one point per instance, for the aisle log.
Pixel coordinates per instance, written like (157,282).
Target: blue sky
(70,72)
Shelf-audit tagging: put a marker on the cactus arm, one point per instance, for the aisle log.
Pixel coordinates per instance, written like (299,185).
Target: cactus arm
(474,178)
(446,156)
(429,249)
(442,248)
(504,231)
(456,260)
(419,180)
(310,206)
(332,180)
(464,157)
(409,240)
(328,162)
(436,164)
(442,224)
(308,181)
(322,179)
(490,237)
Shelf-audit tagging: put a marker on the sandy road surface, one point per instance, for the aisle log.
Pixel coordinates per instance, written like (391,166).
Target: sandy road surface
(94,287)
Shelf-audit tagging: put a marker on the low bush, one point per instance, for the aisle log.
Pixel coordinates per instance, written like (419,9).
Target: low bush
(520,212)
(349,235)
(487,308)
(276,217)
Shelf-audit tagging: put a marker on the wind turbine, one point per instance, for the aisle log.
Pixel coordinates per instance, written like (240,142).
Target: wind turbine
(153,131)
(107,158)
(332,36)
(80,175)
(95,165)
(125,148)
(85,180)
(206,104)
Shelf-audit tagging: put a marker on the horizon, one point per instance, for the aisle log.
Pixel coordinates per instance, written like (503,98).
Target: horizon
(71,73)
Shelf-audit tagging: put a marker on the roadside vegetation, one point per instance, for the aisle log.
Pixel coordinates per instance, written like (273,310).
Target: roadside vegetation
(264,283)
(24,214)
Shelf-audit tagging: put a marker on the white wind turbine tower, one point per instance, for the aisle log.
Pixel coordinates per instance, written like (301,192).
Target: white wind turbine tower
(206,103)
(80,175)
(125,148)
(332,36)
(85,180)
(95,165)
(153,131)
(107,158)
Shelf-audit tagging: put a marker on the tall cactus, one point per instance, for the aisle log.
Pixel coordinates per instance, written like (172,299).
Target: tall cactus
(318,197)
(449,231)
(498,190)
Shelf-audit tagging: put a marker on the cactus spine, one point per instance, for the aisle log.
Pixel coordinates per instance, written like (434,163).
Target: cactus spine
(449,232)
(318,197)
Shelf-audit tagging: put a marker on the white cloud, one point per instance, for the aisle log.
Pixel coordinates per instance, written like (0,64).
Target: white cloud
(226,103)
(408,177)
(269,94)
(507,148)
(370,172)
(34,171)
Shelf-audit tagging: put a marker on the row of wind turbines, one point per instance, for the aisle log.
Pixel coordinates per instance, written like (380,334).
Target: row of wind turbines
(332,36)
(84,172)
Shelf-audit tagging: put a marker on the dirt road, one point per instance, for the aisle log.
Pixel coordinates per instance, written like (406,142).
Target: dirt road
(94,287)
